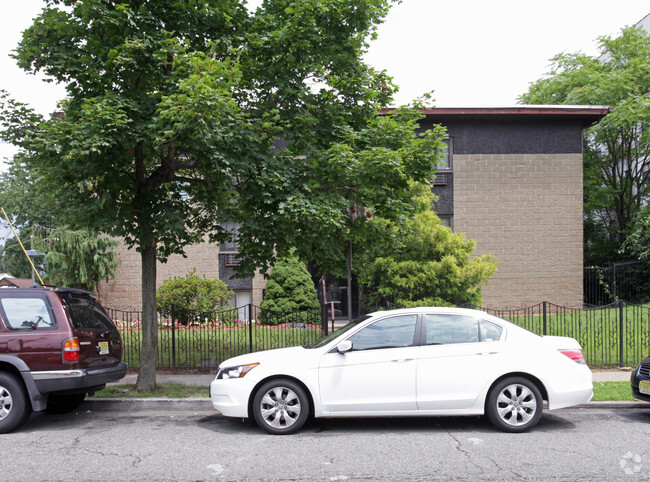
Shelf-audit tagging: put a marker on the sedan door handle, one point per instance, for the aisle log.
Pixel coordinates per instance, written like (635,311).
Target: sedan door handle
(487,353)
(402,360)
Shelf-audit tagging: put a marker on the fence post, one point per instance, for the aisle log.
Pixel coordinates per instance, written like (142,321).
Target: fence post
(173,314)
(544,316)
(250,331)
(621,327)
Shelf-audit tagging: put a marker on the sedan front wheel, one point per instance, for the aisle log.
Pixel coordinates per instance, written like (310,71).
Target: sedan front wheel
(514,404)
(280,407)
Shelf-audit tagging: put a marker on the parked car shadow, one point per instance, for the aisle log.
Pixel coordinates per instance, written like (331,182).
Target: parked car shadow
(635,415)
(548,423)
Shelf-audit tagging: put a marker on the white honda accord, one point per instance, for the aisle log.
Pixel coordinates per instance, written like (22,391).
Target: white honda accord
(409,362)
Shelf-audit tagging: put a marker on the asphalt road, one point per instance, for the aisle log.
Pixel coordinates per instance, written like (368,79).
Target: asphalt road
(570,444)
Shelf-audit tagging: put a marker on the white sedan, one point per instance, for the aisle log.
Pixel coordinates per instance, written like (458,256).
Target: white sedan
(409,362)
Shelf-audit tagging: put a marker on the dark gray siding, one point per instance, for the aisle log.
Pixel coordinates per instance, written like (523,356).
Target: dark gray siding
(493,135)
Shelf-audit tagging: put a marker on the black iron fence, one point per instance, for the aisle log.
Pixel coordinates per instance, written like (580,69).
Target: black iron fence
(616,334)
(203,340)
(620,281)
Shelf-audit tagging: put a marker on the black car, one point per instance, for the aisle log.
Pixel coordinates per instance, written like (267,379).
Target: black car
(640,381)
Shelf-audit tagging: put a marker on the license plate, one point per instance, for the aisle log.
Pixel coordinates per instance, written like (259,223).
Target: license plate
(644,387)
(103,347)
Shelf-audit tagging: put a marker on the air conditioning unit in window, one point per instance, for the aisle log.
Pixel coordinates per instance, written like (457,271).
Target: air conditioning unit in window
(440,179)
(233,259)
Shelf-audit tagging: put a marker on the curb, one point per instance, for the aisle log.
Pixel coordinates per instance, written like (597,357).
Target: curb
(205,405)
(147,404)
(614,404)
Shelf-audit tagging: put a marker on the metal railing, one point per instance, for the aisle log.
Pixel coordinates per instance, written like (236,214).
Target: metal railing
(192,340)
(614,335)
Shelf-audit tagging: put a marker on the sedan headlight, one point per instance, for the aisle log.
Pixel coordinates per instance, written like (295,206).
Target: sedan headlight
(239,371)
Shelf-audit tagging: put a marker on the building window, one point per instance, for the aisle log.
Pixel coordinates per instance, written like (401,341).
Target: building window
(444,164)
(443,168)
(447,220)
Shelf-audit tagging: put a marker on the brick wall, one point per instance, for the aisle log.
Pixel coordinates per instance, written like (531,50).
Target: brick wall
(527,211)
(124,291)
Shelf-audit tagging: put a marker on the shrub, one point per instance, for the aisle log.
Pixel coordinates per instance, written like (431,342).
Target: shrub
(290,294)
(192,295)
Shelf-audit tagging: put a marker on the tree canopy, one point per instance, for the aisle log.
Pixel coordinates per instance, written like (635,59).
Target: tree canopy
(184,116)
(428,265)
(617,150)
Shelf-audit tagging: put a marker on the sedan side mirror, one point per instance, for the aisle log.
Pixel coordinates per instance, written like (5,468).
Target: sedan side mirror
(344,346)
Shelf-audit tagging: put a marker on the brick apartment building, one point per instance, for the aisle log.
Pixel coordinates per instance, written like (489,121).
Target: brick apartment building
(512,181)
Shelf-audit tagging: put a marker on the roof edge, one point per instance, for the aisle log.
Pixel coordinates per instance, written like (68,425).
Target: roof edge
(526,109)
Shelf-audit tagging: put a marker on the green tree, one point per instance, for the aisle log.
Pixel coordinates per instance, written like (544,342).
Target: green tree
(191,295)
(26,201)
(175,113)
(13,260)
(637,243)
(290,292)
(25,205)
(76,258)
(617,150)
(430,266)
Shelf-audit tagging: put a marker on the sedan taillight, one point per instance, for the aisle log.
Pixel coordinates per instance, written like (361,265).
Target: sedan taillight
(575,355)
(71,350)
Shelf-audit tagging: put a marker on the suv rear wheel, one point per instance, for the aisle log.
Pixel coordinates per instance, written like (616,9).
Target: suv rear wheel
(15,408)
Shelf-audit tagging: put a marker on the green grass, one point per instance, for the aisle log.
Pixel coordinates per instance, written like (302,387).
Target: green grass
(163,390)
(603,391)
(612,392)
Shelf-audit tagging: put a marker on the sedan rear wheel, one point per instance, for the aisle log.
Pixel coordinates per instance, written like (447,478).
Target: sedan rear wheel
(514,404)
(280,407)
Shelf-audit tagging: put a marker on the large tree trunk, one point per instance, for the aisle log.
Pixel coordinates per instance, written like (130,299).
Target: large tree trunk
(149,355)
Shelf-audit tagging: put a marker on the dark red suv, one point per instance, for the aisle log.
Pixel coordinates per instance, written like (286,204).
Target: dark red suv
(56,346)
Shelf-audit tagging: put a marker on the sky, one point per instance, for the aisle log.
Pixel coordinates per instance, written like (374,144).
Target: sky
(468,52)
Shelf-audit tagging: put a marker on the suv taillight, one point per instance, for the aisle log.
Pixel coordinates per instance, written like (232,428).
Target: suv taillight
(575,355)
(71,350)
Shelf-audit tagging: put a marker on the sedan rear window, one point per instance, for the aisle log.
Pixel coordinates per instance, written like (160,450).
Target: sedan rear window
(444,329)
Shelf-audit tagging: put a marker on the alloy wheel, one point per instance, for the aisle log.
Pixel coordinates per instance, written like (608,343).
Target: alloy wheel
(280,407)
(6,403)
(516,405)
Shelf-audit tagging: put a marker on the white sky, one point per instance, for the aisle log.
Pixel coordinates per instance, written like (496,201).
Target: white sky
(470,52)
